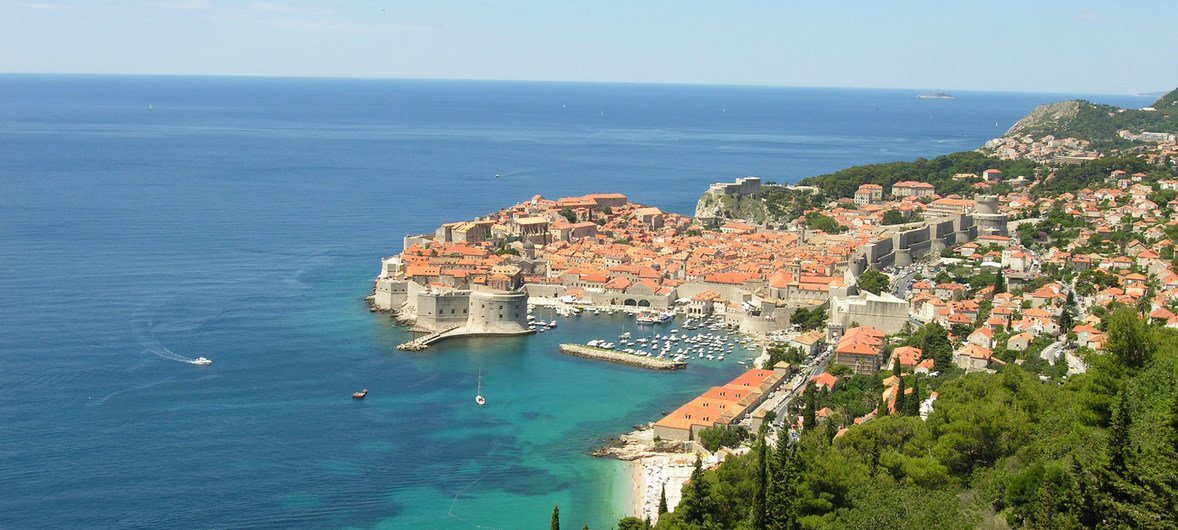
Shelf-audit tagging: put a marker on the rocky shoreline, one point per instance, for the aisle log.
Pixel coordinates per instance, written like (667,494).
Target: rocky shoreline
(639,443)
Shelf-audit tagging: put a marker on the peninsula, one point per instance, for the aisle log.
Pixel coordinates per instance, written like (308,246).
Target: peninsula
(477,277)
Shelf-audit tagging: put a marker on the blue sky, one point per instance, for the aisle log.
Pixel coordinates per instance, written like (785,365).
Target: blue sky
(1056,46)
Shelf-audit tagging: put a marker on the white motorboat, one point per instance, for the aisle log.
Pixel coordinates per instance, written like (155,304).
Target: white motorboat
(202,361)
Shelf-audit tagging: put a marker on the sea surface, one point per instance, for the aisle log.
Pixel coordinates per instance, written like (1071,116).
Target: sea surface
(146,221)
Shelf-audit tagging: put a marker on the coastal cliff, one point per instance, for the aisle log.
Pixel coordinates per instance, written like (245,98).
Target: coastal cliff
(746,208)
(1046,117)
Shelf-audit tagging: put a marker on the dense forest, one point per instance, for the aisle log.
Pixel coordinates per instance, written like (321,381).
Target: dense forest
(998,450)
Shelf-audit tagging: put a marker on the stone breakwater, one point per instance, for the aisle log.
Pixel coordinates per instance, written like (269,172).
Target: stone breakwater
(603,354)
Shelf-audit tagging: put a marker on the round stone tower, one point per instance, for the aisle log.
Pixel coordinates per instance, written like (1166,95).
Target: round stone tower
(986,216)
(498,313)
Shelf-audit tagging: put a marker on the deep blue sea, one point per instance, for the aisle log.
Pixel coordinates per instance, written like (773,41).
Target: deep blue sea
(145,221)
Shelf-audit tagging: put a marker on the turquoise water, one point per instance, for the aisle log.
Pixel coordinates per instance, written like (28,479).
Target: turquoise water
(244,219)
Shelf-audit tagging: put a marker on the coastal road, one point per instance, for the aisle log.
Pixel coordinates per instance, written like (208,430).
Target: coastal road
(796,385)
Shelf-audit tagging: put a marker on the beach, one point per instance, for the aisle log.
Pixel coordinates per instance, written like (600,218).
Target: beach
(651,473)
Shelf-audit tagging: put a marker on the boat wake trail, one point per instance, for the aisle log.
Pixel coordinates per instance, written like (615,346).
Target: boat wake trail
(142,328)
(450,513)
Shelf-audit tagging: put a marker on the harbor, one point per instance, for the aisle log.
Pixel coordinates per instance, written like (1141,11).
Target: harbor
(645,340)
(593,352)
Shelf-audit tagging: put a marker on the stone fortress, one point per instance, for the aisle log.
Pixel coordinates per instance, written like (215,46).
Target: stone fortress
(903,247)
(989,220)
(451,312)
(708,210)
(476,278)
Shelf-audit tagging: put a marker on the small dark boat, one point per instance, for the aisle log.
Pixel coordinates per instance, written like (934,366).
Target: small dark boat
(360,394)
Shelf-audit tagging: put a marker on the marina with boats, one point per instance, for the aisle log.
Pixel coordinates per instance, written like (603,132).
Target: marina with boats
(645,336)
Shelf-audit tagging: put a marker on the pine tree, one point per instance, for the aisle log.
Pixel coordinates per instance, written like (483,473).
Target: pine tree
(901,399)
(555,517)
(1129,341)
(663,500)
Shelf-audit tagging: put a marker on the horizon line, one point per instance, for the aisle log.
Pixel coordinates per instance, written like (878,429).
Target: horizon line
(580,82)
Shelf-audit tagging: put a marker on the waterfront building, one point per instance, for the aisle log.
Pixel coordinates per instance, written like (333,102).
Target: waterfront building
(719,406)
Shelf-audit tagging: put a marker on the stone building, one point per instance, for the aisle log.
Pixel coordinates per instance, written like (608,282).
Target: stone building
(869,194)
(912,188)
(986,216)
(885,312)
(861,349)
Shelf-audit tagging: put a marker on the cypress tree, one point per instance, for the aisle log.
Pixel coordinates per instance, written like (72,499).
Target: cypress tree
(761,493)
(901,407)
(1120,493)
(1118,438)
(913,404)
(695,504)
(1085,505)
(1000,282)
(555,517)
(1067,318)
(663,500)
(896,367)
(810,416)
(781,511)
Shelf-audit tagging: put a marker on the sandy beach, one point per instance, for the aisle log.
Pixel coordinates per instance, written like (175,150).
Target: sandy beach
(651,473)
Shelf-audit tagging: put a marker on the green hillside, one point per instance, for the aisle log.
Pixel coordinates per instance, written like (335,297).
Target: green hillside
(1098,123)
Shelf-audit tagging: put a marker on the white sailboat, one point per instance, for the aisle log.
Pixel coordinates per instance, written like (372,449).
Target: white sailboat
(478,398)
